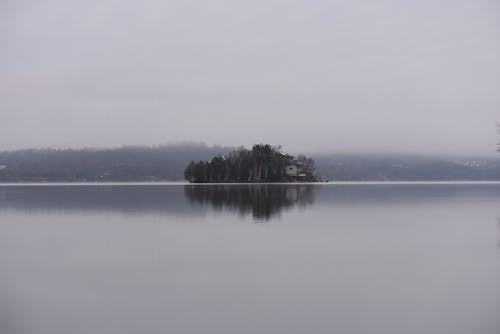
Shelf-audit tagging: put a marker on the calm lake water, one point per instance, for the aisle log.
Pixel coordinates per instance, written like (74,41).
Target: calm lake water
(324,258)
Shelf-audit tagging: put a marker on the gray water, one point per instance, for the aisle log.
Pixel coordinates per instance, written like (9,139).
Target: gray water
(336,258)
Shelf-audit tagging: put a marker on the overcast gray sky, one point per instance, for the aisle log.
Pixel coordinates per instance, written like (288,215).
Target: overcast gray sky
(339,76)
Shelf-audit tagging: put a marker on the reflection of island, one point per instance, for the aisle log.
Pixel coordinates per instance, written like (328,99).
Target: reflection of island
(261,200)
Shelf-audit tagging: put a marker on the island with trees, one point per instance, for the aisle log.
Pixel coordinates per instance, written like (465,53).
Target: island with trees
(262,163)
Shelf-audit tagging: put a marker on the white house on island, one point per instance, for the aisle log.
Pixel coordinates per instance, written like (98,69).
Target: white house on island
(292,170)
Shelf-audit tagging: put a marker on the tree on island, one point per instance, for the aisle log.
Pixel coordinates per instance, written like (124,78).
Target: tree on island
(263,163)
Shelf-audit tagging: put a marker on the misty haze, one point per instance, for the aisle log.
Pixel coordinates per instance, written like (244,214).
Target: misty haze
(327,76)
(231,167)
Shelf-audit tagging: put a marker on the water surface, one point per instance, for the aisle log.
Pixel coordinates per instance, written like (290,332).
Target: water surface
(336,258)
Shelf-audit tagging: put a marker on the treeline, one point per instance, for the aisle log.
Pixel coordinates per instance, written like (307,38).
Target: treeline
(263,163)
(168,163)
(392,167)
(161,163)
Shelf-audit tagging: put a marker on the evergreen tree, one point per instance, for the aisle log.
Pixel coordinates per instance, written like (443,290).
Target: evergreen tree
(263,163)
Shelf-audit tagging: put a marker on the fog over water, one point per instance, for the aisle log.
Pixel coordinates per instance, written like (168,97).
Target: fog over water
(342,76)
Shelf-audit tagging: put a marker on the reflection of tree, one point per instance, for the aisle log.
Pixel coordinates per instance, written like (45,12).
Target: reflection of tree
(261,200)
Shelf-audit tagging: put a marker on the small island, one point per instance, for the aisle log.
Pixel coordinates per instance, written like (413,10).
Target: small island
(263,163)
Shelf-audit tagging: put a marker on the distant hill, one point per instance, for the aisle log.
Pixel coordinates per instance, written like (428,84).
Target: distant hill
(405,168)
(167,163)
(120,164)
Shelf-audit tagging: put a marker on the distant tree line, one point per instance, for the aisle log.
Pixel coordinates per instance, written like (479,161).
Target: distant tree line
(168,163)
(133,163)
(387,167)
(263,163)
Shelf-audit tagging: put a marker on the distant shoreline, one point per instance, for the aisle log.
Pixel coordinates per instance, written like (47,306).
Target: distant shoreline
(167,164)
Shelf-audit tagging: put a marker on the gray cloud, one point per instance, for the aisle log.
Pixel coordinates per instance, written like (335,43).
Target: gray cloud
(404,76)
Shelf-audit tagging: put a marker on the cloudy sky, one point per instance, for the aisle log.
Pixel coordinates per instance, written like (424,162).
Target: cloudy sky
(339,76)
